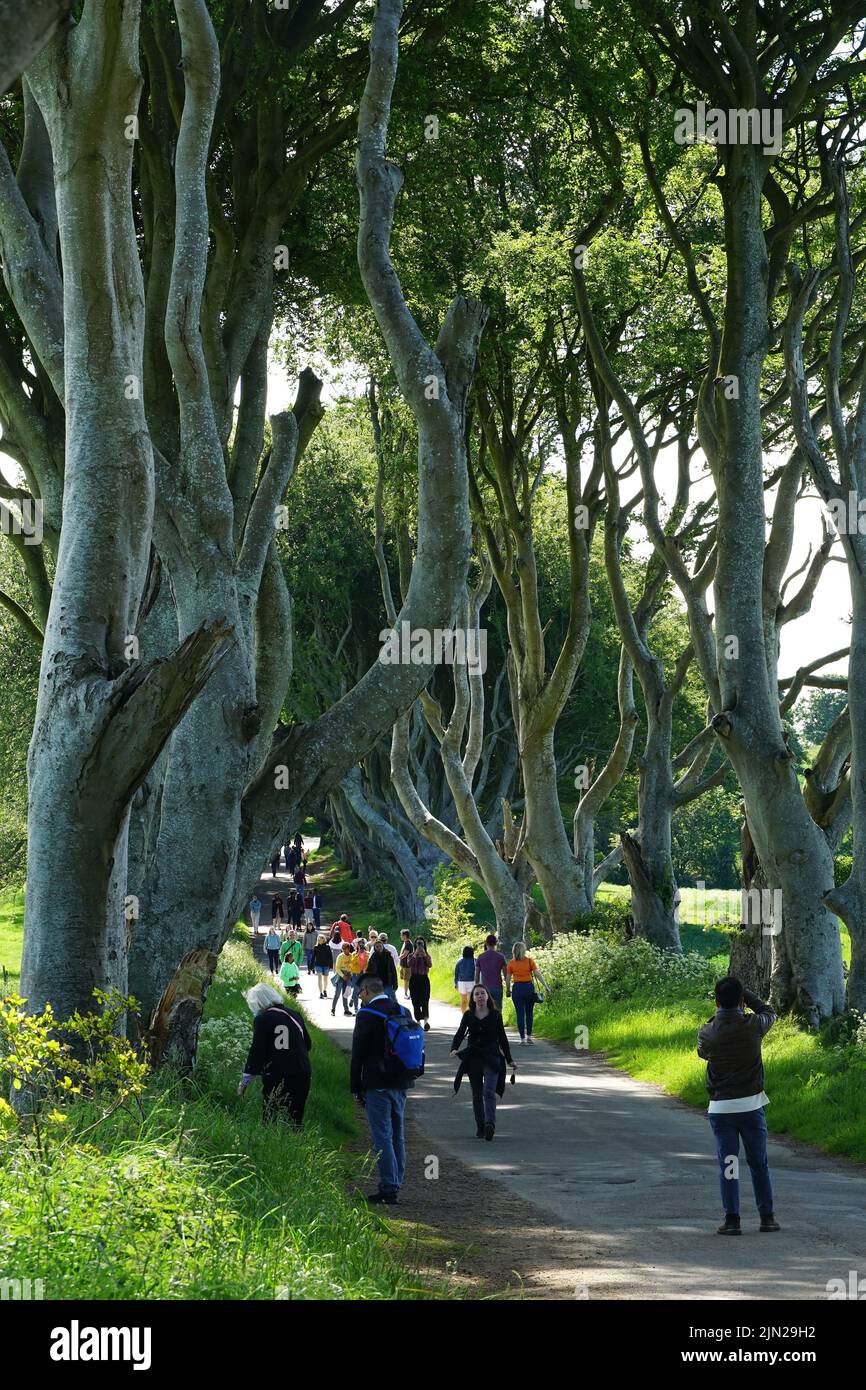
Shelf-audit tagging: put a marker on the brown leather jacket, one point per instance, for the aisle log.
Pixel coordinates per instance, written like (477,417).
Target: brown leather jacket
(730,1044)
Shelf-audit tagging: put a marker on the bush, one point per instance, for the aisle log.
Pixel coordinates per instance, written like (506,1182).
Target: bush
(607,916)
(447,908)
(223,1044)
(842,868)
(600,966)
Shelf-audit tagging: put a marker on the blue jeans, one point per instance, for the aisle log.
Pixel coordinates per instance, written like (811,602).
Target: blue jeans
(523,994)
(385,1117)
(495,995)
(341,987)
(751,1127)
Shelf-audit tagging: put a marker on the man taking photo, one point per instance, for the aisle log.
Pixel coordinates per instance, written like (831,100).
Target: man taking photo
(730,1044)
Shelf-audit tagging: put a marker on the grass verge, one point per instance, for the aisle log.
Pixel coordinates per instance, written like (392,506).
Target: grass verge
(191,1196)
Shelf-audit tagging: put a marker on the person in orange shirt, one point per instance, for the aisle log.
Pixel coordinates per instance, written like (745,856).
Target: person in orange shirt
(522,974)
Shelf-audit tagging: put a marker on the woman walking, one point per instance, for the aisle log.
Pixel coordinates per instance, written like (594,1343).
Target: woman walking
(311,936)
(279,1054)
(342,976)
(464,976)
(322,964)
(272,946)
(483,1059)
(359,965)
(419,983)
(405,953)
(522,974)
(277,910)
(255,913)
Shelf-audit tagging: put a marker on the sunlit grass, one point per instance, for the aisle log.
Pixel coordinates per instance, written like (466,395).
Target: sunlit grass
(193,1197)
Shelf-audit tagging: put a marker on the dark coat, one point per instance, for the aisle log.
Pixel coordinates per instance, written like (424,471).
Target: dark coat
(371,1069)
(487,1046)
(730,1044)
(381,964)
(269,1057)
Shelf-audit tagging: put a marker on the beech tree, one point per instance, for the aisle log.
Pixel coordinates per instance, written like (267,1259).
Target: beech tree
(832,441)
(745,63)
(194,579)
(25,28)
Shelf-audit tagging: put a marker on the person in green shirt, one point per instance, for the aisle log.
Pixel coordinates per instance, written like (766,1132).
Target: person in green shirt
(291,946)
(290,975)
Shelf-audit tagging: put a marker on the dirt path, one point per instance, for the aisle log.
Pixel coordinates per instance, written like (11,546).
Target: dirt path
(600,1186)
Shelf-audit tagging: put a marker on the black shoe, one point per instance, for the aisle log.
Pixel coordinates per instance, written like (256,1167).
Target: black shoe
(479,1132)
(426,1027)
(489,1131)
(729,1227)
(347,1013)
(769,1223)
(388,1199)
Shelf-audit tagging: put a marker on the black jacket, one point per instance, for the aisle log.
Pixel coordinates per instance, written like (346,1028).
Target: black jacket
(322,955)
(487,1046)
(370,1068)
(381,964)
(730,1044)
(487,1036)
(275,1054)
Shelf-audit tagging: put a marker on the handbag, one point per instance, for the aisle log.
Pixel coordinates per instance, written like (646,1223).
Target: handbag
(335,979)
(538,998)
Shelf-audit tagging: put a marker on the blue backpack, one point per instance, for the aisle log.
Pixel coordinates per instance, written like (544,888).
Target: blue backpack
(405,1039)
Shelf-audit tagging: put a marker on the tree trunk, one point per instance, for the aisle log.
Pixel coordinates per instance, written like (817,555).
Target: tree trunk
(751,954)
(101,719)
(647,855)
(559,874)
(26,26)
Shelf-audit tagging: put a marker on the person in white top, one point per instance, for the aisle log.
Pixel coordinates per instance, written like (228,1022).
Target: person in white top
(730,1044)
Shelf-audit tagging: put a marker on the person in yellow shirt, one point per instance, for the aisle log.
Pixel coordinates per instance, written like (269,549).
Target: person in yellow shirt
(522,973)
(343,969)
(357,962)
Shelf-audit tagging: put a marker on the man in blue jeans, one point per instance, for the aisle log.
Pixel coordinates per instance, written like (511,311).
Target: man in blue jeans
(379,1082)
(730,1044)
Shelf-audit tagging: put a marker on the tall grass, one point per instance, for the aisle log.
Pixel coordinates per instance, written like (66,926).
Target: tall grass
(191,1196)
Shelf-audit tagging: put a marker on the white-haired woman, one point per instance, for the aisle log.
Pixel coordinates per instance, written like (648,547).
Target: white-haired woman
(279,1054)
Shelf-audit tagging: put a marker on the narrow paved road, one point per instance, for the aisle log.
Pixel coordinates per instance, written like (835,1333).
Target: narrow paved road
(634,1173)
